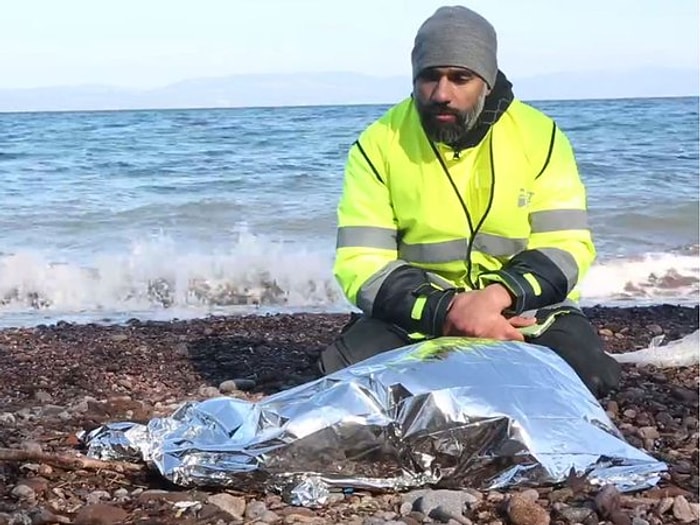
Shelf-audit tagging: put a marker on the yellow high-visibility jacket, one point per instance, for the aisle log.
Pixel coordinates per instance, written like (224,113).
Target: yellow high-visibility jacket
(418,222)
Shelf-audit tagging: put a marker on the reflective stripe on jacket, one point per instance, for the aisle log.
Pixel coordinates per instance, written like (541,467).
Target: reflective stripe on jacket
(521,219)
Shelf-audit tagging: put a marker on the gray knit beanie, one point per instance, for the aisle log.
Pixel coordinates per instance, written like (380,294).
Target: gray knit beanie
(459,37)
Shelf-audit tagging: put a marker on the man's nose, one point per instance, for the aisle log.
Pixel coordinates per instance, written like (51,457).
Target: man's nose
(442,93)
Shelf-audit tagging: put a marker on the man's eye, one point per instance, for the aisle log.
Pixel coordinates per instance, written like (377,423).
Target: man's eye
(430,76)
(463,79)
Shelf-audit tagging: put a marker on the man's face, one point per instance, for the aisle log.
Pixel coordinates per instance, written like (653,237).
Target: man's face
(449,101)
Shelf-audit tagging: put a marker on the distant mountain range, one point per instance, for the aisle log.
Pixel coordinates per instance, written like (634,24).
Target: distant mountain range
(342,88)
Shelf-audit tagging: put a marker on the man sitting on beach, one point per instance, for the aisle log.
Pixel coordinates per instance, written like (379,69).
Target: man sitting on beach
(463,214)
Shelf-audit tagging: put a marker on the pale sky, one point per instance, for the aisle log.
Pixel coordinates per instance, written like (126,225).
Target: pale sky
(151,43)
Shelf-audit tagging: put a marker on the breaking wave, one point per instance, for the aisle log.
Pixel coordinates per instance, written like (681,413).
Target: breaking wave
(158,279)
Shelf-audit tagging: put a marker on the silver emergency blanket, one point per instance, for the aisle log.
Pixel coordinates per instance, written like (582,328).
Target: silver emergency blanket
(451,412)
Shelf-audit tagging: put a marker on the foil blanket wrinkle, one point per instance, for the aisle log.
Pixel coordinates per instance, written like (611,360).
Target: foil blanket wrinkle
(449,412)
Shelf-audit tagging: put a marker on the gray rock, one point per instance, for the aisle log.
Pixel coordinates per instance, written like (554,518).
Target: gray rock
(648,433)
(255,509)
(41,516)
(42,396)
(209,391)
(97,496)
(233,385)
(576,514)
(228,386)
(80,407)
(32,446)
(51,410)
(269,517)
(415,517)
(682,510)
(302,518)
(24,493)
(7,418)
(406,508)
(232,505)
(25,413)
(121,494)
(655,329)
(452,503)
(20,518)
(335,497)
(639,521)
(665,504)
(530,495)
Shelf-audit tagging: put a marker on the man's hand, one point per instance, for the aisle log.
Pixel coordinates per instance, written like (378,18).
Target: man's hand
(480,314)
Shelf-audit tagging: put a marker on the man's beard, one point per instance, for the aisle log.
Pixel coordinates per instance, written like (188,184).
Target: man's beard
(450,133)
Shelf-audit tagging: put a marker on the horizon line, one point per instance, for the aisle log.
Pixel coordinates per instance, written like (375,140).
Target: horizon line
(324,105)
(171,83)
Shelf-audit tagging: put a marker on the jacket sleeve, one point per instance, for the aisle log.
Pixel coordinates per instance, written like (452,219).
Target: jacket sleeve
(367,264)
(560,249)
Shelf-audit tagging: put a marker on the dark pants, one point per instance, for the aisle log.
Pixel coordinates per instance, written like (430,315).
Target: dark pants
(571,336)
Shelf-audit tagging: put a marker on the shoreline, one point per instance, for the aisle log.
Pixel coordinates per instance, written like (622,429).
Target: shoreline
(126,318)
(56,380)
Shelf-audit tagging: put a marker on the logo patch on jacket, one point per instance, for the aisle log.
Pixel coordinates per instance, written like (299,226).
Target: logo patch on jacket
(524,197)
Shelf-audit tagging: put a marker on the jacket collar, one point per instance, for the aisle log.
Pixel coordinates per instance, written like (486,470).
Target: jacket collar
(497,102)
